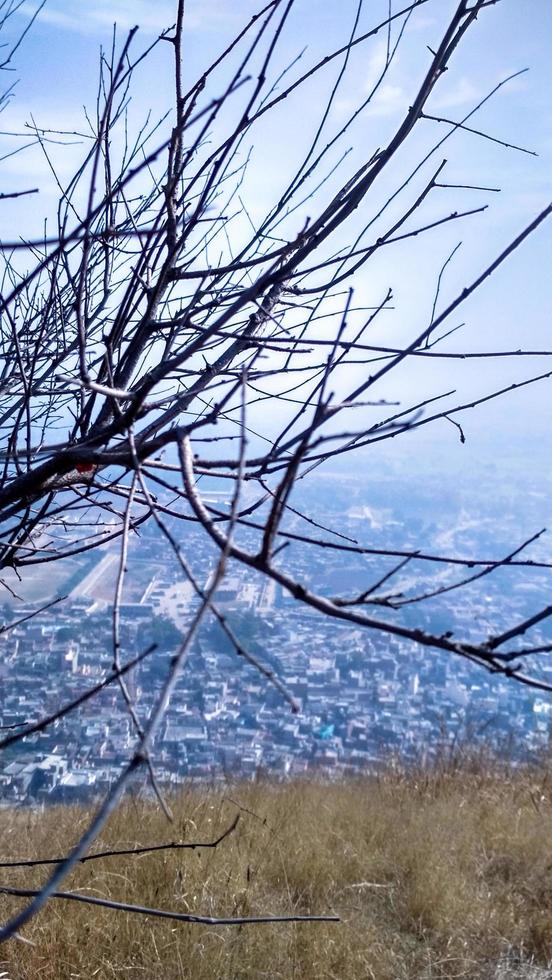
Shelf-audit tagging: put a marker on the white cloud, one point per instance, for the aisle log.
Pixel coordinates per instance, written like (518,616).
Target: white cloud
(102,14)
(375,66)
(462,92)
(151,17)
(422,23)
(389,97)
(388,100)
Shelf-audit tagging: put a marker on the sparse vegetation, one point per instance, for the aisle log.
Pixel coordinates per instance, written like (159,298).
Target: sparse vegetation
(435,875)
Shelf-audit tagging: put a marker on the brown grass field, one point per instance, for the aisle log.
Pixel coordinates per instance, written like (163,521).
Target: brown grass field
(441,874)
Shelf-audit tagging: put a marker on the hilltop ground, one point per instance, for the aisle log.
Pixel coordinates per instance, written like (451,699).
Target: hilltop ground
(441,874)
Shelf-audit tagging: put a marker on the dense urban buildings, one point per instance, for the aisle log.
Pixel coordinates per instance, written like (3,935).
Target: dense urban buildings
(363,697)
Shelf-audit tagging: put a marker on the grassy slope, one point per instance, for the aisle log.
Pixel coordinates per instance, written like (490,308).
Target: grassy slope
(447,874)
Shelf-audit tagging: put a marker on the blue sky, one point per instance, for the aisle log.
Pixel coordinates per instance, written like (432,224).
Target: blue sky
(56,68)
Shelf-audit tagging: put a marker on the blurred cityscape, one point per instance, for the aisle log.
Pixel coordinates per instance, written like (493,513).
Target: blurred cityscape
(364,696)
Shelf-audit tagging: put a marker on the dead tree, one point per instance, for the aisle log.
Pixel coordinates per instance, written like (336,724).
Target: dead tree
(156,313)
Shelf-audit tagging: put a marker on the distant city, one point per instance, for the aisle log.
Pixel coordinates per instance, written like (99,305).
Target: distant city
(364,697)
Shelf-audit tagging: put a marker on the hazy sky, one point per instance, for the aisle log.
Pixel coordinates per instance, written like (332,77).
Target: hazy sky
(56,68)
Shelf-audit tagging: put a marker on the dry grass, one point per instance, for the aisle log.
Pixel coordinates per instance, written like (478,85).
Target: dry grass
(435,875)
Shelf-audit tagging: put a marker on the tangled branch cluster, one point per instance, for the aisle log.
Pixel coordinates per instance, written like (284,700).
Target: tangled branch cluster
(157,312)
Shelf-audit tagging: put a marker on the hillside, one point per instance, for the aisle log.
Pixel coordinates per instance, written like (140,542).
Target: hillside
(435,875)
